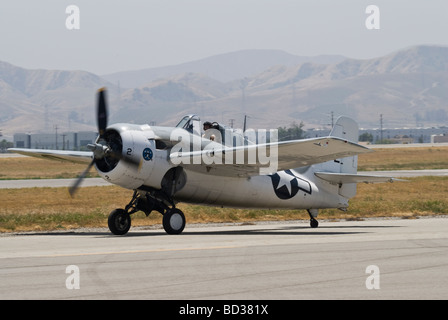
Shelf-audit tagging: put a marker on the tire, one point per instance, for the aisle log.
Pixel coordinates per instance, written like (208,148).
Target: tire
(119,222)
(173,221)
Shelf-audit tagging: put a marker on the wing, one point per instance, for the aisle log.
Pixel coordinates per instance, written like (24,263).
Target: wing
(266,158)
(83,157)
(341,178)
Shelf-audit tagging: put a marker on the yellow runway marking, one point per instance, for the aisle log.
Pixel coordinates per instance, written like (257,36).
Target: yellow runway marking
(135,251)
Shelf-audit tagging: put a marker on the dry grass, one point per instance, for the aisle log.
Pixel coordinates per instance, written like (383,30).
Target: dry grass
(52,208)
(416,197)
(404,159)
(35,168)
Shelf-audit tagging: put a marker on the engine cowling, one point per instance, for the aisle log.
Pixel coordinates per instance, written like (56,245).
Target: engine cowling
(140,163)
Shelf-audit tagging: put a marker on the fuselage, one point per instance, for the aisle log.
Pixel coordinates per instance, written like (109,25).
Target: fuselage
(284,189)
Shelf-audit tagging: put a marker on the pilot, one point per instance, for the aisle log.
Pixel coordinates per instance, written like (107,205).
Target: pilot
(208,125)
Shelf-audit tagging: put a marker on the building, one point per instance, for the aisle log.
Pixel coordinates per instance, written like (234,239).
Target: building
(22,140)
(396,135)
(63,141)
(439,138)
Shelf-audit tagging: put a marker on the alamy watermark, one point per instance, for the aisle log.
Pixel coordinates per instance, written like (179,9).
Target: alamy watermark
(73,280)
(373,280)
(73,21)
(253,147)
(373,20)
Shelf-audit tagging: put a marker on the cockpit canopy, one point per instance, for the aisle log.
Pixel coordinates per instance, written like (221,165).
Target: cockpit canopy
(191,123)
(222,134)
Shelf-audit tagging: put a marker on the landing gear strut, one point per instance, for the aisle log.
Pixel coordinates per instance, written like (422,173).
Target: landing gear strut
(313,214)
(173,221)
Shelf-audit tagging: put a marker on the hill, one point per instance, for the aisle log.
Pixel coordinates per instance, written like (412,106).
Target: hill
(36,100)
(224,67)
(409,87)
(273,88)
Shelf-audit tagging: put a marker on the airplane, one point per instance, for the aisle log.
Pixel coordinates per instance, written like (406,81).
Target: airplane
(221,167)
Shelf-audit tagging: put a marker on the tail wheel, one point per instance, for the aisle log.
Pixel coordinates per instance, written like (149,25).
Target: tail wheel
(173,221)
(313,214)
(119,222)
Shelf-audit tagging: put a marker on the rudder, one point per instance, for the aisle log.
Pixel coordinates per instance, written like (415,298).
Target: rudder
(346,128)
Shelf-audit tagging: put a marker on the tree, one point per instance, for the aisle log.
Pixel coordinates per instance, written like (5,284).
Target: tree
(366,137)
(294,132)
(5,145)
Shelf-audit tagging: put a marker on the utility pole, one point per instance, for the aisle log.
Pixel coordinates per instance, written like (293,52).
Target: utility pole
(243,84)
(56,128)
(381,127)
(63,141)
(231,121)
(46,117)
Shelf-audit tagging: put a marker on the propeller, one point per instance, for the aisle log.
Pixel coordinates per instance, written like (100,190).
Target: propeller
(105,149)
(101,112)
(101,117)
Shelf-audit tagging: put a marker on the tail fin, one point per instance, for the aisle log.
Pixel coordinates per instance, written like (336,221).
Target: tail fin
(343,171)
(345,128)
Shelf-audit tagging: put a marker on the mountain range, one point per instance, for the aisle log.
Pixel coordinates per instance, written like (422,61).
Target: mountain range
(224,67)
(273,88)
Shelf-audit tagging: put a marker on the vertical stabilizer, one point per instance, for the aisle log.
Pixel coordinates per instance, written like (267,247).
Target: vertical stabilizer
(346,128)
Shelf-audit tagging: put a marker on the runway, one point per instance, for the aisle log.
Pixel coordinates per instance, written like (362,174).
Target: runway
(263,261)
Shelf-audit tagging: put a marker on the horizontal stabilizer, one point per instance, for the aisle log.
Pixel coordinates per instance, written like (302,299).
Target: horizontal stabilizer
(341,178)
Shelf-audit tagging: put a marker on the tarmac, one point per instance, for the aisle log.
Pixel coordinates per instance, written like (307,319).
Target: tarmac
(371,259)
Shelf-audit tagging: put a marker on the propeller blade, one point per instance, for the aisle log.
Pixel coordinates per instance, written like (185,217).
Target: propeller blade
(72,190)
(102,111)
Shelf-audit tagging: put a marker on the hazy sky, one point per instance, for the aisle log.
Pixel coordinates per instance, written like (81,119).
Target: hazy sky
(135,34)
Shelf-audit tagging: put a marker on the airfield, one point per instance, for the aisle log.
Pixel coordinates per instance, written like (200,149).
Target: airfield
(257,260)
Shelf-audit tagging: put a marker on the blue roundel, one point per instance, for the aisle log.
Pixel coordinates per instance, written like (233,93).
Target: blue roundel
(147,154)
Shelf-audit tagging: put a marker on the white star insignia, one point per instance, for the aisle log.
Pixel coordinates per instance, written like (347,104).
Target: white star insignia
(285,180)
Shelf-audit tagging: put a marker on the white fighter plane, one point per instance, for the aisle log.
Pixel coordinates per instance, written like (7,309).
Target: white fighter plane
(222,167)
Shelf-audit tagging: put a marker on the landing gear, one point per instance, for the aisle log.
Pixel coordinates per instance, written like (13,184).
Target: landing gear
(173,221)
(119,222)
(313,214)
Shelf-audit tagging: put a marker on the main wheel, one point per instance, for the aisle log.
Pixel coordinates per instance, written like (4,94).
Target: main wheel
(119,222)
(314,223)
(173,221)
